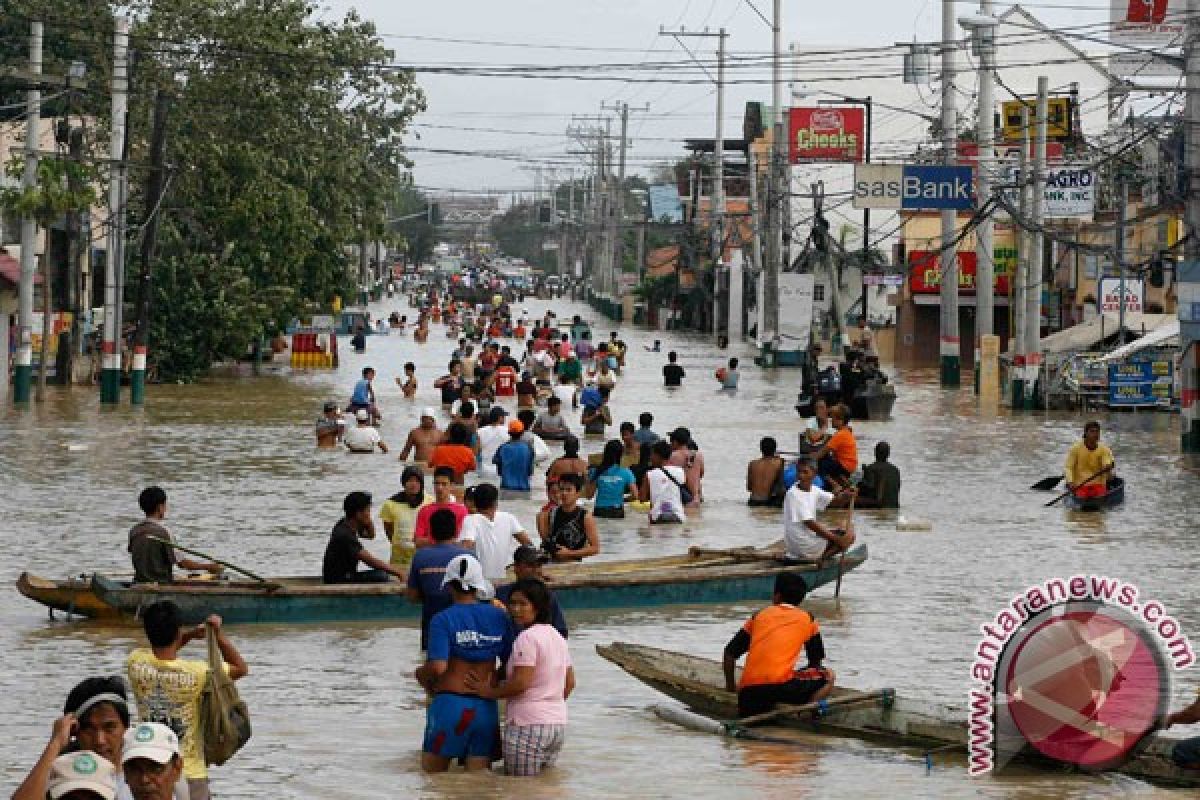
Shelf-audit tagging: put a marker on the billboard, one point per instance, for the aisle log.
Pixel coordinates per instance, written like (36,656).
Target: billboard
(1110,295)
(925,271)
(665,205)
(914,188)
(826,134)
(1058,119)
(1069,191)
(1143,380)
(1147,23)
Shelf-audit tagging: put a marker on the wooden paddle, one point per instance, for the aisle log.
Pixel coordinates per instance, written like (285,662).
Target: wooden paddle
(233,567)
(1109,468)
(837,589)
(785,711)
(1046,484)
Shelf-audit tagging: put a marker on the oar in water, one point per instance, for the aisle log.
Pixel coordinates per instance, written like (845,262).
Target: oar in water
(820,707)
(1081,483)
(1046,484)
(837,589)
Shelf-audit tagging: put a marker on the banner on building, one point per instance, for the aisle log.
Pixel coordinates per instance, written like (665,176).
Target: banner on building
(1148,23)
(795,309)
(925,272)
(826,134)
(1110,295)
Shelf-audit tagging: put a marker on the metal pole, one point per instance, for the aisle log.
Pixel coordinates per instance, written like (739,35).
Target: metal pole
(985,133)
(1033,290)
(949,340)
(110,375)
(866,234)
(718,195)
(23,373)
(777,194)
(618,216)
(1189,275)
(1119,253)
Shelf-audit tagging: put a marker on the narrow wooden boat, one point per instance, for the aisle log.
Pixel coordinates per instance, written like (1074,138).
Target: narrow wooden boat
(1112,498)
(725,576)
(890,719)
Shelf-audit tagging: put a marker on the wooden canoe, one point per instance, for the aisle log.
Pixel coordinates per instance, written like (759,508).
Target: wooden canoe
(892,720)
(724,576)
(1112,498)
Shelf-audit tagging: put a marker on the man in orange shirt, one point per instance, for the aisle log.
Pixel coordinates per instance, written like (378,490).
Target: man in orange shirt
(838,459)
(454,453)
(772,640)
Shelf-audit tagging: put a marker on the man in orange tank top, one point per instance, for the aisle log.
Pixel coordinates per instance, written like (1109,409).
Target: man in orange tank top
(772,640)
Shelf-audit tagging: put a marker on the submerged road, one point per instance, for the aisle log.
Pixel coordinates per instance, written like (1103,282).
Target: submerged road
(336,713)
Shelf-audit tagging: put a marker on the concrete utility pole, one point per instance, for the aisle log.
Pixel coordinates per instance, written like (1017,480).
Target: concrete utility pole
(110,375)
(155,186)
(777,192)
(23,374)
(1033,290)
(1189,271)
(949,339)
(1119,253)
(985,133)
(1021,279)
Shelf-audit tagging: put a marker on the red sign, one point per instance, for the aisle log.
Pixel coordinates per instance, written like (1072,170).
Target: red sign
(1152,11)
(925,273)
(826,134)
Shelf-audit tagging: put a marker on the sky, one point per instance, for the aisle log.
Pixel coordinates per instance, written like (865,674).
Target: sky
(528,117)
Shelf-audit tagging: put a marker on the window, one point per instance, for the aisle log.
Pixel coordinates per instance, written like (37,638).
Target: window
(819,293)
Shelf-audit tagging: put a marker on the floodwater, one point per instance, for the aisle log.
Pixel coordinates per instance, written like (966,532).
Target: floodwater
(336,711)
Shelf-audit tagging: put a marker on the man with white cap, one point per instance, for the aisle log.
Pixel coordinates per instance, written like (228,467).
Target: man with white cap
(363,437)
(83,775)
(467,641)
(423,438)
(151,761)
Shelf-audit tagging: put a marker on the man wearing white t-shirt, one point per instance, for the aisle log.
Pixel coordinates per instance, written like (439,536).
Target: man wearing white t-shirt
(804,538)
(495,535)
(662,486)
(491,436)
(364,437)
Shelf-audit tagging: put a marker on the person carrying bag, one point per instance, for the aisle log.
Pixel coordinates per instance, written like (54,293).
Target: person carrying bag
(224,717)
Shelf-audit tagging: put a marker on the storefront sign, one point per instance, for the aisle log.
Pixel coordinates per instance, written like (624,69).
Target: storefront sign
(1069,193)
(1110,295)
(914,188)
(1058,119)
(925,272)
(826,134)
(1148,23)
(1141,381)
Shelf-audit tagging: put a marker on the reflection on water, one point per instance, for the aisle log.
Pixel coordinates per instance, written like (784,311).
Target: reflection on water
(336,711)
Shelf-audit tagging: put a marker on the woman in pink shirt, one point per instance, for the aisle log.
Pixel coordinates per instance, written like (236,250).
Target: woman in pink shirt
(539,679)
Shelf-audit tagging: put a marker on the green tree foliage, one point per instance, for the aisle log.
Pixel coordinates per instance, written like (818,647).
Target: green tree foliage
(282,148)
(518,232)
(413,228)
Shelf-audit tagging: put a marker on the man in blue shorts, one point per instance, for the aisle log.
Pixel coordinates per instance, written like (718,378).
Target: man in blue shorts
(470,638)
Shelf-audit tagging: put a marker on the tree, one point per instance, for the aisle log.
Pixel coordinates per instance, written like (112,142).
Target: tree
(519,233)
(414,224)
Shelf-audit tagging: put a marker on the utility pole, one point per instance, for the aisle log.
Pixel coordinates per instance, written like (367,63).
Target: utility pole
(1021,279)
(1033,290)
(777,195)
(155,186)
(110,375)
(985,134)
(949,338)
(1119,252)
(23,374)
(1189,271)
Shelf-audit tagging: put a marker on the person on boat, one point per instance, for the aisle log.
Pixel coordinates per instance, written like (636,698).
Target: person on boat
(95,719)
(527,565)
(662,485)
(772,640)
(528,418)
(363,396)
(865,339)
(408,386)
(345,550)
(610,482)
(399,515)
(688,458)
(170,690)
(552,425)
(423,438)
(1186,752)
(596,414)
(514,460)
(1090,464)
(568,531)
(363,437)
(806,539)
(150,543)
(728,376)
(468,638)
(810,372)
(569,463)
(818,429)
(645,433)
(450,384)
(443,499)
(764,476)
(657,348)
(330,426)
(880,487)
(673,374)
(454,452)
(494,535)
(538,680)
(838,459)
(425,574)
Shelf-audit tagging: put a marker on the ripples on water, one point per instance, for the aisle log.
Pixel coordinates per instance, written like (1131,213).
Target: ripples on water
(336,712)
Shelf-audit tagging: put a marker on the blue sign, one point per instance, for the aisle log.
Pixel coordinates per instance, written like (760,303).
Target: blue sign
(914,187)
(1143,381)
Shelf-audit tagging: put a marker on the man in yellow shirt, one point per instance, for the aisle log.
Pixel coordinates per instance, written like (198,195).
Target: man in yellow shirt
(1089,464)
(168,688)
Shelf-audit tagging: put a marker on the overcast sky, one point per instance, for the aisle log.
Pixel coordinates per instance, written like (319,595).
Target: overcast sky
(534,113)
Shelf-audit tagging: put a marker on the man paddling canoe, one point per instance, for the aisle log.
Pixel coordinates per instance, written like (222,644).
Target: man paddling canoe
(1090,465)
(772,640)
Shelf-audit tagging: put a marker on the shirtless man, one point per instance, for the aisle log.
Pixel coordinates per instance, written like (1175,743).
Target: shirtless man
(467,642)
(423,438)
(764,476)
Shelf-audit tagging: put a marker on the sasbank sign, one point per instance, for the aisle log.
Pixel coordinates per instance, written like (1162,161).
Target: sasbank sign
(913,188)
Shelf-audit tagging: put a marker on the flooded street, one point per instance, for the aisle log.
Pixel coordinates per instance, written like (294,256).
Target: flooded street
(336,712)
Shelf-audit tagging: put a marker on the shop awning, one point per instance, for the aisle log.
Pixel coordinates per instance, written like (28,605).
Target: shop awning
(1087,335)
(1165,335)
